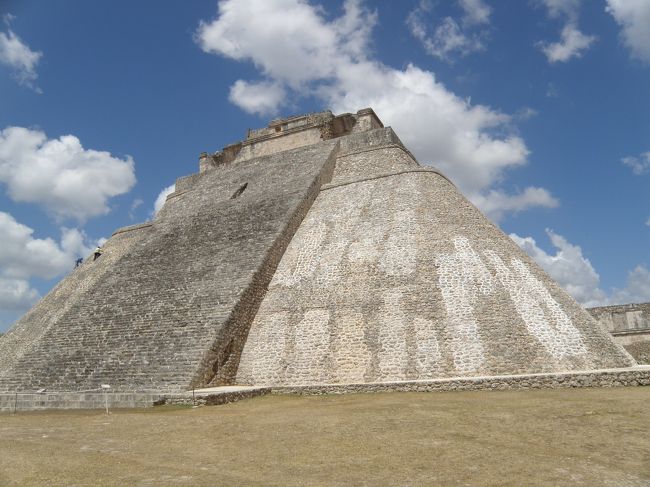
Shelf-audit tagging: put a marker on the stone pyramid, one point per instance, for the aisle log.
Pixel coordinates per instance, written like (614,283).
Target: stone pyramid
(316,251)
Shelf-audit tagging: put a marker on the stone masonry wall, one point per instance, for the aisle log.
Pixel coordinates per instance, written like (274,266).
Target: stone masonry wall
(623,317)
(168,306)
(631,377)
(630,326)
(394,275)
(66,294)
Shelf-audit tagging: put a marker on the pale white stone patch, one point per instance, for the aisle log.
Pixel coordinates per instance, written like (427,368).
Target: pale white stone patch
(350,202)
(542,315)
(300,262)
(399,253)
(363,252)
(392,337)
(463,278)
(264,350)
(400,250)
(329,261)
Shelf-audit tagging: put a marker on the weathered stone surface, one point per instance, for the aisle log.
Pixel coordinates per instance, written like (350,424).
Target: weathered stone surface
(623,317)
(16,403)
(629,324)
(640,350)
(213,397)
(168,305)
(316,251)
(630,377)
(394,275)
(19,402)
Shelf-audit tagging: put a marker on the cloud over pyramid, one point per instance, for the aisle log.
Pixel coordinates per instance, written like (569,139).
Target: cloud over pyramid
(315,251)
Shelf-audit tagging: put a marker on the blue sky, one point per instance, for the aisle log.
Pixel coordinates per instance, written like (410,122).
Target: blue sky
(538,110)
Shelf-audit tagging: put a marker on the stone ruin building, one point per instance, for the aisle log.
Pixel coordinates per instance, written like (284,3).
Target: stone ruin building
(315,251)
(629,325)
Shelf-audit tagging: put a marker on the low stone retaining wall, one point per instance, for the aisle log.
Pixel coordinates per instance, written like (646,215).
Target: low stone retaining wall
(34,401)
(17,402)
(637,376)
(215,398)
(12,402)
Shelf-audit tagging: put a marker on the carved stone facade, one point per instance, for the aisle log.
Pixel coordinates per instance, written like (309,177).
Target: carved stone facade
(629,324)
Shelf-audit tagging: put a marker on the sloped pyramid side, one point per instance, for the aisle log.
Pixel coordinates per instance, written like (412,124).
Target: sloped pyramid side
(394,275)
(168,304)
(391,275)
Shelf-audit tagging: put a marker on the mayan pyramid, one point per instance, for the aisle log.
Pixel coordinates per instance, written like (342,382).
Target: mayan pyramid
(316,251)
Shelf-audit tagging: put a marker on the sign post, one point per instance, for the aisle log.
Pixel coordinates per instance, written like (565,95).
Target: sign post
(106,387)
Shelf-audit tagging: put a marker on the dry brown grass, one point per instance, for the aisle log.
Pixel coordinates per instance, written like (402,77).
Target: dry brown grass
(549,437)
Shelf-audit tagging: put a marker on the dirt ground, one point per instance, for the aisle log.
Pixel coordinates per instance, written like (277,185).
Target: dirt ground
(550,437)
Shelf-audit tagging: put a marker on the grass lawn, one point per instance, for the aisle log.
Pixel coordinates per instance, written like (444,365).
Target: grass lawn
(557,437)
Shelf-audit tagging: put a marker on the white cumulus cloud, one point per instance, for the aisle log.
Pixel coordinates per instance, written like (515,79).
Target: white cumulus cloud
(634,18)
(637,289)
(639,165)
(475,12)
(59,174)
(449,38)
(17,55)
(496,203)
(262,98)
(573,43)
(162,197)
(16,295)
(567,266)
(294,47)
(23,257)
(287,40)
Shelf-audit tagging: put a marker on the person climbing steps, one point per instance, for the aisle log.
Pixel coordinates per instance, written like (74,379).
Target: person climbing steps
(98,253)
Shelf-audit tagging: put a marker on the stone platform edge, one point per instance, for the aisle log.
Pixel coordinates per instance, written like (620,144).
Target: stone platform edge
(17,402)
(213,396)
(633,376)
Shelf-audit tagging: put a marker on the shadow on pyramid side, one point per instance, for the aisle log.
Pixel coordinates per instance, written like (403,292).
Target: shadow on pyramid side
(316,251)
